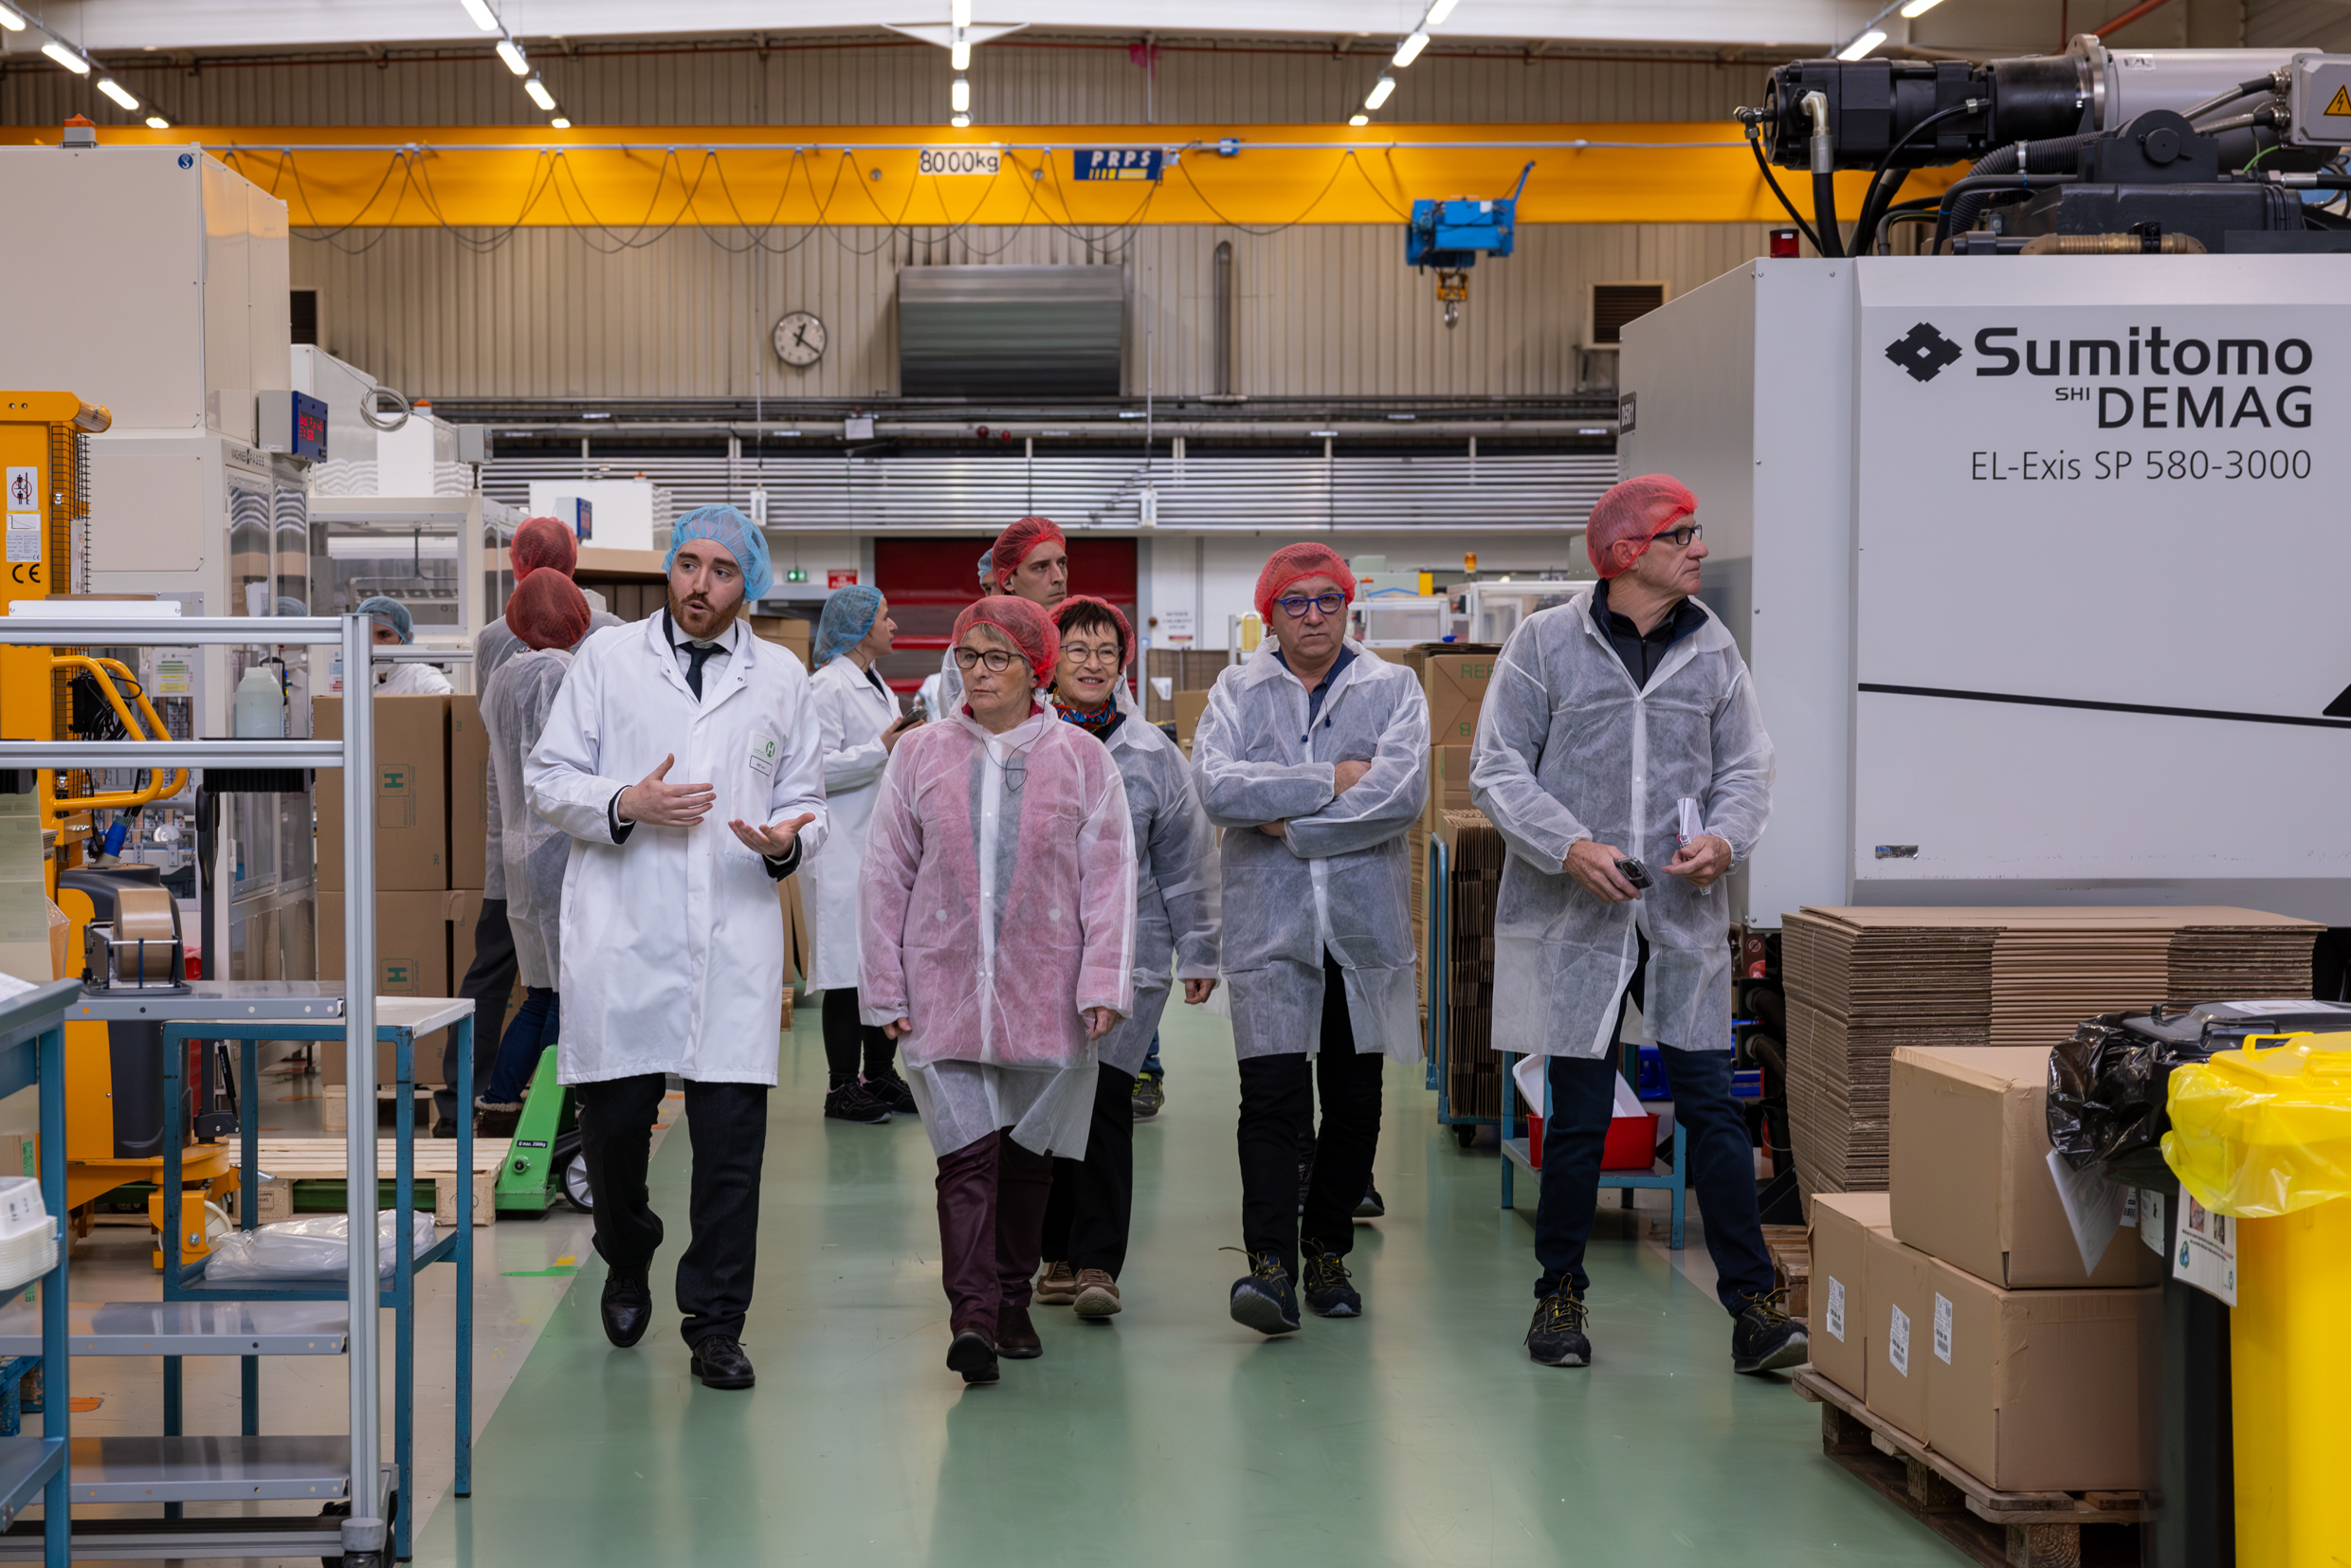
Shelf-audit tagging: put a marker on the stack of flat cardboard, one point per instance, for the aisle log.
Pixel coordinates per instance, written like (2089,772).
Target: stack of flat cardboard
(1862,983)
(1453,677)
(1473,1073)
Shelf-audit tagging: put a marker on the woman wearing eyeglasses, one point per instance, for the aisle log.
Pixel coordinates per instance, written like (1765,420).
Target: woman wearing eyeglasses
(1176,883)
(998,946)
(1313,757)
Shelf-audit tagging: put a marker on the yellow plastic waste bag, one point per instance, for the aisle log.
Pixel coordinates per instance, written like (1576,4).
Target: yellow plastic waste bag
(2259,1133)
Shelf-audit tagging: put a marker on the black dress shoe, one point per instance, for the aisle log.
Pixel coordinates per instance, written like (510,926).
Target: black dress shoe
(719,1362)
(627,1306)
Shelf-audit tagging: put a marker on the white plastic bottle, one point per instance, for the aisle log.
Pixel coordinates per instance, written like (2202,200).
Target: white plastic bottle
(260,707)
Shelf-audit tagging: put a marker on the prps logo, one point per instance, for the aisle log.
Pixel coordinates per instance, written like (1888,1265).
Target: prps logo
(1922,353)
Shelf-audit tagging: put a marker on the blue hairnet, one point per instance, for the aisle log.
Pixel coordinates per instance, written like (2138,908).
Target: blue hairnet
(290,606)
(988,565)
(391,612)
(725,526)
(848,615)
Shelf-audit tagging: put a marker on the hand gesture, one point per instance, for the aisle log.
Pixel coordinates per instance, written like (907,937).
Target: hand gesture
(1099,1022)
(665,805)
(1196,992)
(1702,860)
(1346,776)
(1272,830)
(775,843)
(899,1029)
(1594,866)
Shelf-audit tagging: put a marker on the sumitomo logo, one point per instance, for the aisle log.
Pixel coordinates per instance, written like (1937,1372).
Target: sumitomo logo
(1922,351)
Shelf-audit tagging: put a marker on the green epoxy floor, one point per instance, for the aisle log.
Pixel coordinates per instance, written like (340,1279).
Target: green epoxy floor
(1419,1434)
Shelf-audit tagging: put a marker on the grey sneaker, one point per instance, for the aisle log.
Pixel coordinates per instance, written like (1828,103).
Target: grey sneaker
(1555,1339)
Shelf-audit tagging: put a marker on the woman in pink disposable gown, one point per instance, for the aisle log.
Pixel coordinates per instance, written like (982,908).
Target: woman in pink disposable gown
(998,943)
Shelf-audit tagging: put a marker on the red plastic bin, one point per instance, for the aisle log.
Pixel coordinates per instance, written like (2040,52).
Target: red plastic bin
(1632,1142)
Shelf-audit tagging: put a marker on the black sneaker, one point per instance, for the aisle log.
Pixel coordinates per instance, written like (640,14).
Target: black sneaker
(1264,1298)
(1328,1294)
(890,1090)
(850,1102)
(1763,1339)
(1556,1338)
(1150,1096)
(1373,1205)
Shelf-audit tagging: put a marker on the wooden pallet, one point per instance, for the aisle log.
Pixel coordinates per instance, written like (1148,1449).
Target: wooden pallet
(335,1105)
(1791,1246)
(1997,1529)
(291,1161)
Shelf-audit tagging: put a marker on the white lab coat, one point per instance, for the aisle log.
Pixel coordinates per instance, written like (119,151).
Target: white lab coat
(410,681)
(673,939)
(852,714)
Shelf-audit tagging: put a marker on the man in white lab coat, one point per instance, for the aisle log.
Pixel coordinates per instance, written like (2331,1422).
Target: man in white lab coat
(672,935)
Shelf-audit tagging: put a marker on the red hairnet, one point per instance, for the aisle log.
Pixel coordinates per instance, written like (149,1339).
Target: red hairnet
(1294,561)
(547,609)
(1015,543)
(543,541)
(1030,629)
(1639,510)
(1105,609)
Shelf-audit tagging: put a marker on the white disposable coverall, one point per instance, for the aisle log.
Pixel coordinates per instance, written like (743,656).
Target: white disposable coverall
(853,714)
(1567,749)
(410,681)
(1176,883)
(1339,877)
(998,906)
(531,851)
(674,941)
(492,647)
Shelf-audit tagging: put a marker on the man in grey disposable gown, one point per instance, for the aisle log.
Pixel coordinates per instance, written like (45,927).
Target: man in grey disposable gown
(1621,728)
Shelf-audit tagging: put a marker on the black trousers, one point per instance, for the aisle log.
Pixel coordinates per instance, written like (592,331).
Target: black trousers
(1277,1112)
(728,1125)
(846,1038)
(488,984)
(1093,1203)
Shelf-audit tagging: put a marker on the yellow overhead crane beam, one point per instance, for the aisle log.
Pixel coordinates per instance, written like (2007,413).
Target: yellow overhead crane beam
(642,180)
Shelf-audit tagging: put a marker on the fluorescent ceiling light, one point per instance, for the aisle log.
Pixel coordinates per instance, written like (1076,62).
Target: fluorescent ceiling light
(511,52)
(483,16)
(10,19)
(156,122)
(1862,44)
(1358,119)
(959,12)
(560,123)
(960,96)
(960,121)
(1380,90)
(1920,7)
(113,89)
(1410,49)
(537,89)
(959,54)
(67,57)
(1438,12)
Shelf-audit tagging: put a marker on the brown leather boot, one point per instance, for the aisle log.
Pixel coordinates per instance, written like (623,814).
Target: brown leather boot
(1016,1337)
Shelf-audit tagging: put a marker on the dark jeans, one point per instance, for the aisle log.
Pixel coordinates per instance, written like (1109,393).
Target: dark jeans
(537,1024)
(1092,1208)
(487,985)
(991,1198)
(1722,1164)
(1277,1111)
(1151,1061)
(846,1038)
(728,1125)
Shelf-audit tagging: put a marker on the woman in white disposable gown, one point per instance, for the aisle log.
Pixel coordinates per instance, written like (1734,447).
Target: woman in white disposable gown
(862,725)
(998,945)
(393,624)
(549,615)
(1175,886)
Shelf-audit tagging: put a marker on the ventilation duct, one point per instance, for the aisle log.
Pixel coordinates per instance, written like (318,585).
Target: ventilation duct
(1011,331)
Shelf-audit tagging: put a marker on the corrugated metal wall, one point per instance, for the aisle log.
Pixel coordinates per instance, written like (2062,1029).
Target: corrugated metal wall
(1023,81)
(1327,309)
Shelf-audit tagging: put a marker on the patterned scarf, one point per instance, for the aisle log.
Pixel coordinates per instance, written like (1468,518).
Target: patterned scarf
(1097,722)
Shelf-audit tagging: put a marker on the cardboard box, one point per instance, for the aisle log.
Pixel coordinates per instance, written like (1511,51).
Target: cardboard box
(470,794)
(412,795)
(1969,1171)
(465,914)
(1839,1323)
(1449,777)
(1898,1284)
(411,959)
(1188,706)
(786,631)
(2044,1390)
(1454,679)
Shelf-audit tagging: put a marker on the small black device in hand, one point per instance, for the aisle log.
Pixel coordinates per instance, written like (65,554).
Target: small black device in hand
(1635,873)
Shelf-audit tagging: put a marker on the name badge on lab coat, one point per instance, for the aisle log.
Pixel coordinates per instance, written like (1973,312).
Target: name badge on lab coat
(763,753)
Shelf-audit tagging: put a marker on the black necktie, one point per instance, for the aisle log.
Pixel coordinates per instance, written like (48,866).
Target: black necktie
(700,654)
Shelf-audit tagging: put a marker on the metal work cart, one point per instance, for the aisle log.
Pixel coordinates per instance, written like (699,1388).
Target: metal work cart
(32,1050)
(171,1469)
(1516,1156)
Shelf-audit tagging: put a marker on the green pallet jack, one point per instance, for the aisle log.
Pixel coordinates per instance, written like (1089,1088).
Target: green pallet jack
(544,1165)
